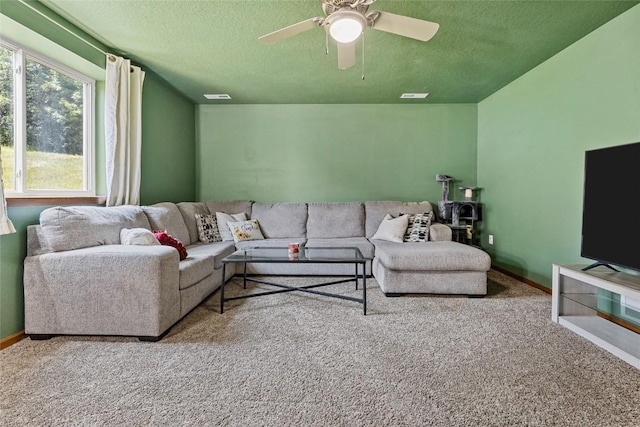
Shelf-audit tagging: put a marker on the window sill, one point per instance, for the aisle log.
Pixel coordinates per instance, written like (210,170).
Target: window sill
(54,201)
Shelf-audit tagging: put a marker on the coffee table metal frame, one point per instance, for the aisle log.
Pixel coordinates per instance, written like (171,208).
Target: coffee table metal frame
(306,256)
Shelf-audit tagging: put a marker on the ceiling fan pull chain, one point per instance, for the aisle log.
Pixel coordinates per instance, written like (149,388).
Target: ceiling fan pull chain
(362,56)
(326,43)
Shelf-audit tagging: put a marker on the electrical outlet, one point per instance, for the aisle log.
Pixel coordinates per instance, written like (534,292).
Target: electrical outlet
(491,239)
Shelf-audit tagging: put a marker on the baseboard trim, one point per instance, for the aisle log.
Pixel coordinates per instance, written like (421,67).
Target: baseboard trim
(11,339)
(522,279)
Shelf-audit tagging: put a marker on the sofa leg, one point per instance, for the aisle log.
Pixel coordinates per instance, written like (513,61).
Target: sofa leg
(150,339)
(40,337)
(154,339)
(393,295)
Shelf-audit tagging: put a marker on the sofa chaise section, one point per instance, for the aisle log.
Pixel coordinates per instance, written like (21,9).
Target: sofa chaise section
(432,268)
(438,266)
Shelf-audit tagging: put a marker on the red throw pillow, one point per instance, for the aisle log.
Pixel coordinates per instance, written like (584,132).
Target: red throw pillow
(169,240)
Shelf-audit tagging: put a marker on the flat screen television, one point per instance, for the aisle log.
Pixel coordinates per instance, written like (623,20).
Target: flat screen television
(610,228)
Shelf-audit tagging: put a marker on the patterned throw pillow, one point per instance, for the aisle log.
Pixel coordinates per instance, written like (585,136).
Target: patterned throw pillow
(245,230)
(223,219)
(208,228)
(418,228)
(169,240)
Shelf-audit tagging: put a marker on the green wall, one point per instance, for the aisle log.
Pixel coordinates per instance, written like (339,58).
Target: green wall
(532,136)
(168,141)
(325,152)
(168,144)
(12,252)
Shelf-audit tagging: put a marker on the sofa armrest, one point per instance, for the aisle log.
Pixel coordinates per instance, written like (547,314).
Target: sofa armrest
(102,290)
(440,232)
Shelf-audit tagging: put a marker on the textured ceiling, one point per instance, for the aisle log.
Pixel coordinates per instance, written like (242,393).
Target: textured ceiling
(212,47)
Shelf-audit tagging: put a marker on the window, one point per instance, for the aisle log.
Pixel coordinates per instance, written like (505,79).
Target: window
(46,126)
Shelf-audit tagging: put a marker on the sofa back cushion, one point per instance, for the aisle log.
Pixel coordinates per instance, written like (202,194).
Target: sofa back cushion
(167,216)
(329,220)
(230,206)
(189,211)
(375,211)
(73,227)
(281,220)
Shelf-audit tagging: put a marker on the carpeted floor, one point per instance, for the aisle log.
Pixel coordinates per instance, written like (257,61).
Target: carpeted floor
(304,360)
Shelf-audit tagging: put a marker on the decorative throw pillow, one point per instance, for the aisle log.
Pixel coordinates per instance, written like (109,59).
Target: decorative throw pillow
(223,218)
(208,228)
(392,229)
(418,228)
(245,230)
(168,240)
(137,236)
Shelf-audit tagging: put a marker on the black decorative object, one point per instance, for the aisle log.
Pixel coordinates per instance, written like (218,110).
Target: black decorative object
(460,215)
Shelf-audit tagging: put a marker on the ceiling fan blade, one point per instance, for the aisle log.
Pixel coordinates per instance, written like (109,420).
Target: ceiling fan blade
(289,31)
(346,55)
(406,26)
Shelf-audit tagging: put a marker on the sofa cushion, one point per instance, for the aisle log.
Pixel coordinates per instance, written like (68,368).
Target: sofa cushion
(189,211)
(418,227)
(431,256)
(73,227)
(270,243)
(167,216)
(194,269)
(392,229)
(215,251)
(208,231)
(365,246)
(335,219)
(281,220)
(376,210)
(230,206)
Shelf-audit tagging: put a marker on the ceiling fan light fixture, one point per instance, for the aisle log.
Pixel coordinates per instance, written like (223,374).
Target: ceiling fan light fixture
(345,30)
(346,26)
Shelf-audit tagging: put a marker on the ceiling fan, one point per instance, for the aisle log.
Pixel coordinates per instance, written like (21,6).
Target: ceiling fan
(345,22)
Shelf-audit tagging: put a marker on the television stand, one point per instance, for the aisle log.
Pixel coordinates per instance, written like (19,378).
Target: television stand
(598,264)
(580,300)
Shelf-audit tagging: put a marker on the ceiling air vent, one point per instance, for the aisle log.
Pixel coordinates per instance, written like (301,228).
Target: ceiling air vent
(414,95)
(217,96)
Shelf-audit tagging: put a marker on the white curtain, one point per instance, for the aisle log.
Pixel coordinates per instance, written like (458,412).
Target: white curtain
(123,118)
(6,226)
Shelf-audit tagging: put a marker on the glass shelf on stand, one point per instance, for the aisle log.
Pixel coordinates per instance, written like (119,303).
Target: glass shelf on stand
(594,304)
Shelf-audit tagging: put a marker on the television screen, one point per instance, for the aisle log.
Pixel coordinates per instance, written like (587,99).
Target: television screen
(610,232)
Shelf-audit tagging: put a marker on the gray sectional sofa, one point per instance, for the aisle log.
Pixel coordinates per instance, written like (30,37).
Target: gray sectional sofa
(80,280)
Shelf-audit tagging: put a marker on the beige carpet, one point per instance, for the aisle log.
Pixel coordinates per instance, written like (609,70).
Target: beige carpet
(302,360)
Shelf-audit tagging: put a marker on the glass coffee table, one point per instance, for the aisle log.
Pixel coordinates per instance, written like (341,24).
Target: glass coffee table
(345,255)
